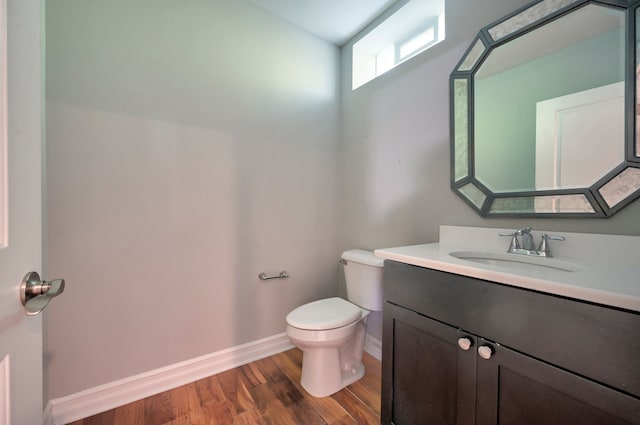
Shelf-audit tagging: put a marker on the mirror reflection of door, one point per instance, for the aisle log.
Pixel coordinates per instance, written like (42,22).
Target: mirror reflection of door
(573,134)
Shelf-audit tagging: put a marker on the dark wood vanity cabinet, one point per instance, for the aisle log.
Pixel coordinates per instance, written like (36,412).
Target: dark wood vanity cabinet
(542,360)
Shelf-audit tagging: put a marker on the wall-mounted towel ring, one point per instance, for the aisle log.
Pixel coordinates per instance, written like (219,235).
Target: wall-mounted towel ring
(282,275)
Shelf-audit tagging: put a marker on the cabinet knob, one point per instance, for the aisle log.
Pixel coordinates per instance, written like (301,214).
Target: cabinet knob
(485,351)
(465,343)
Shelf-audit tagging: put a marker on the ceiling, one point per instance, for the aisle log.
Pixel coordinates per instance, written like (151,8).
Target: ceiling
(336,21)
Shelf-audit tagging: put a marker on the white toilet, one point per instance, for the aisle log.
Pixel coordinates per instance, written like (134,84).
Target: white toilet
(331,332)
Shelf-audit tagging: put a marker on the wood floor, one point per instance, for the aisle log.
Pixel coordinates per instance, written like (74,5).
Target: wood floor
(265,392)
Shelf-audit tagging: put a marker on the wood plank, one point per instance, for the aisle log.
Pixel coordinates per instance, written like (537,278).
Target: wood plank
(185,402)
(283,388)
(235,391)
(252,375)
(361,413)
(130,414)
(217,414)
(209,391)
(366,396)
(250,417)
(159,409)
(262,396)
(277,414)
(295,355)
(288,366)
(304,413)
(346,420)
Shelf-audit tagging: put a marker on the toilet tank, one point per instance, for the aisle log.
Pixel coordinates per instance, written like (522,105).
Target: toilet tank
(363,276)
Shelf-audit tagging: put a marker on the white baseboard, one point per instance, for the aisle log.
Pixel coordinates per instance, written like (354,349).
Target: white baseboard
(99,399)
(373,346)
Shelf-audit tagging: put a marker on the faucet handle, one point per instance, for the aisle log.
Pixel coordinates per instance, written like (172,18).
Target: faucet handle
(515,244)
(544,249)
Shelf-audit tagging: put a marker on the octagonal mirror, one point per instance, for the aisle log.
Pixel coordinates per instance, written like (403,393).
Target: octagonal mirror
(543,112)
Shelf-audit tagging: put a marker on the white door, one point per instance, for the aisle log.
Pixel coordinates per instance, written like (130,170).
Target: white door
(20,209)
(579,128)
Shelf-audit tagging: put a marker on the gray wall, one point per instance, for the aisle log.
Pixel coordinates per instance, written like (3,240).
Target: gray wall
(395,150)
(191,146)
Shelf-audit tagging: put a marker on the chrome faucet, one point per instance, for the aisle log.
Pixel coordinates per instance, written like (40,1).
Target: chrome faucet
(528,246)
(527,238)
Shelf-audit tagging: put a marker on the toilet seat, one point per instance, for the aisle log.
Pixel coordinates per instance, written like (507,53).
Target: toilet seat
(329,313)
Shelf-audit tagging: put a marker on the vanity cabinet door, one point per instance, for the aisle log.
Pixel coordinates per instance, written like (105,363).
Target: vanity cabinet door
(427,377)
(513,388)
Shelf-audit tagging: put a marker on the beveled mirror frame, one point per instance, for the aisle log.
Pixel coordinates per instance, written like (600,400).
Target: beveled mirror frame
(614,191)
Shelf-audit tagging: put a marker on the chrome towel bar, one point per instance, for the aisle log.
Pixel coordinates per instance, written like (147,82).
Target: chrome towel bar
(282,275)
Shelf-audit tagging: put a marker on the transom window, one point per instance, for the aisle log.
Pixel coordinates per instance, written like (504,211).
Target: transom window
(398,35)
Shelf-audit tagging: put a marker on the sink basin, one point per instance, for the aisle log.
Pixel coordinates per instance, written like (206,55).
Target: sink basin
(515,261)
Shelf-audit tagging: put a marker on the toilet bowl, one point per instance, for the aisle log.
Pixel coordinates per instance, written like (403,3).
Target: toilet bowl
(331,332)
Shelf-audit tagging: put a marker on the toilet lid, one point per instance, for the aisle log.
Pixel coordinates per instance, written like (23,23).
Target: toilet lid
(325,314)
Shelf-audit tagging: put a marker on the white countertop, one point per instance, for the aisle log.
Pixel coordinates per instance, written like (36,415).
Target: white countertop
(599,273)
